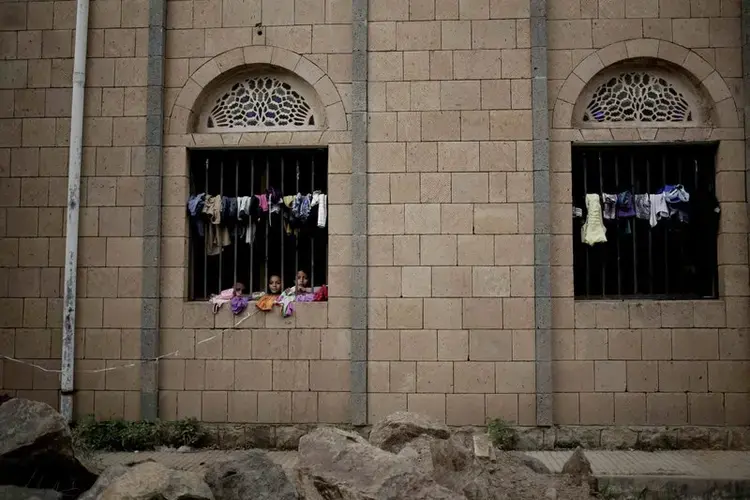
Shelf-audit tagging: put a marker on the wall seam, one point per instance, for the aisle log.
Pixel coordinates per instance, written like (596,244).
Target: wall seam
(540,165)
(358,301)
(152,204)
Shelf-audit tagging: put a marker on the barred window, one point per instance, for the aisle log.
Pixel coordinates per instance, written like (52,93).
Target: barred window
(675,258)
(278,246)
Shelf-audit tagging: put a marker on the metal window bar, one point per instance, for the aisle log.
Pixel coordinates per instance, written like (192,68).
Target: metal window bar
(213,171)
(614,269)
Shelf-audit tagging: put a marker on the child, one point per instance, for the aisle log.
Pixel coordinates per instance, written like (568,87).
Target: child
(267,301)
(301,283)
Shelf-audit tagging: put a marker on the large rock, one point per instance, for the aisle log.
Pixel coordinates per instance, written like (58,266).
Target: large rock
(153,481)
(105,479)
(398,429)
(18,493)
(339,465)
(36,450)
(253,476)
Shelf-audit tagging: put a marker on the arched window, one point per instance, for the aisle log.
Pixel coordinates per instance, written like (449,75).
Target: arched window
(261,102)
(640,97)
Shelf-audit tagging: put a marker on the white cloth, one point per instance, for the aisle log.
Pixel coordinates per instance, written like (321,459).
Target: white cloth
(593,230)
(659,209)
(322,209)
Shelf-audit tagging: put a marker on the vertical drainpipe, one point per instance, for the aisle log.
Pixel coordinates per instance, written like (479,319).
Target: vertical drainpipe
(358,354)
(74,203)
(542,232)
(150,289)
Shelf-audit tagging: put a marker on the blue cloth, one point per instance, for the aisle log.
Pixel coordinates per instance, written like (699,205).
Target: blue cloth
(195,209)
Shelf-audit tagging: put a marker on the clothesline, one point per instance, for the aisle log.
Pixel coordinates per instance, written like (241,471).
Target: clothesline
(668,201)
(211,214)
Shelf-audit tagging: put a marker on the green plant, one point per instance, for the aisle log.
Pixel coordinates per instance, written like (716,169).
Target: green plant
(501,434)
(120,435)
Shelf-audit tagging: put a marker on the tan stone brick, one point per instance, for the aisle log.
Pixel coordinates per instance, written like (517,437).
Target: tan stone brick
(270,344)
(522,281)
(641,8)
(453,345)
(456,219)
(442,313)
(418,35)
(384,282)
(382,405)
(482,313)
(674,8)
(333,407)
(643,376)
(678,376)
(728,376)
(691,32)
(624,344)
(242,406)
(596,409)
(406,250)
(514,250)
(451,281)
(573,376)
(475,125)
(705,409)
(666,409)
(475,250)
(404,313)
(252,375)
(465,409)
(446,9)
(422,219)
(491,282)
(510,125)
(734,344)
(419,345)
(416,281)
(476,64)
(610,31)
(290,375)
(570,34)
(490,345)
(496,219)
(565,409)
(403,377)
(725,32)
(737,409)
(695,344)
(189,404)
(438,250)
(475,377)
(630,409)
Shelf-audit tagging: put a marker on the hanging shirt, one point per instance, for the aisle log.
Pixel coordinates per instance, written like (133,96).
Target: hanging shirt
(593,230)
(321,201)
(677,200)
(195,209)
(642,206)
(610,205)
(625,205)
(217,235)
(659,209)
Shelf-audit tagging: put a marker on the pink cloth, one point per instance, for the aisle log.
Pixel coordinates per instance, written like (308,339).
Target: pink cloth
(263,200)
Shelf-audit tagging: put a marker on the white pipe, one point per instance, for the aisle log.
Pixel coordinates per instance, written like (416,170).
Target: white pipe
(74,192)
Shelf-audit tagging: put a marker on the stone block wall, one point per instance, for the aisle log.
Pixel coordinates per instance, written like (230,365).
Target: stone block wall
(450,214)
(651,362)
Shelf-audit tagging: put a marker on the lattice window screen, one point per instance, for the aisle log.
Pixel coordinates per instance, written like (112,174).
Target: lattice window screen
(260,102)
(637,96)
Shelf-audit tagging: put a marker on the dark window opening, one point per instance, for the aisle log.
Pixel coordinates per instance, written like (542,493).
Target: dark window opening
(274,250)
(674,259)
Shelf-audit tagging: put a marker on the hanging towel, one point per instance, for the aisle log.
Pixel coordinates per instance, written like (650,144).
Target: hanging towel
(593,230)
(322,210)
(610,205)
(217,236)
(659,209)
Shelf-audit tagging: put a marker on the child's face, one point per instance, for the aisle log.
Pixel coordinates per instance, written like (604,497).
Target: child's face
(302,278)
(239,288)
(274,284)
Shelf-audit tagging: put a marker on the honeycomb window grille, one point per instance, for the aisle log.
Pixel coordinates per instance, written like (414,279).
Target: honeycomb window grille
(261,102)
(638,96)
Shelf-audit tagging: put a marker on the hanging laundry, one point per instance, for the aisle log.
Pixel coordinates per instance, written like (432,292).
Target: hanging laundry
(224,297)
(217,235)
(274,199)
(642,206)
(659,209)
(593,230)
(239,303)
(625,207)
(677,200)
(195,209)
(321,201)
(610,205)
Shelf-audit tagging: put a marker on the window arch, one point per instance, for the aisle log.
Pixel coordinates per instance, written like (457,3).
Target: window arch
(640,96)
(267,101)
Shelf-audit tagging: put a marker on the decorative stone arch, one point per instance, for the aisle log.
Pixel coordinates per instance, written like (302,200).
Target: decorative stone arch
(723,109)
(187,106)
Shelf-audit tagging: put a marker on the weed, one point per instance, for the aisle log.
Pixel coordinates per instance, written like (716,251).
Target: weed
(502,435)
(120,435)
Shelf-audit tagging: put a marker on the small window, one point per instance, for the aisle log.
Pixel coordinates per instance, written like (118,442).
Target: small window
(278,245)
(673,256)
